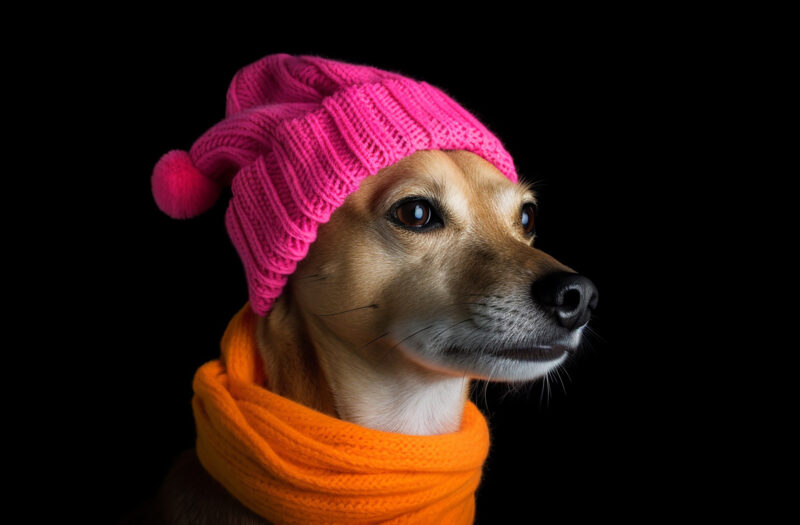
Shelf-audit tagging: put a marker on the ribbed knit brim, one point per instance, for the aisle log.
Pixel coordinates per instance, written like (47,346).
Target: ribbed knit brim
(300,134)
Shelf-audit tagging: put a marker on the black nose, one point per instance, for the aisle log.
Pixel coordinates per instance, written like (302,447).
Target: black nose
(569,297)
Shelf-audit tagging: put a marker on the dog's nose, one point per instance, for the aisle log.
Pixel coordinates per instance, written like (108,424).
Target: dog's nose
(569,297)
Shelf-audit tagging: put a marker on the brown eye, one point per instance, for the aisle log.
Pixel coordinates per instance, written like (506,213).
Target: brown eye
(415,213)
(527,216)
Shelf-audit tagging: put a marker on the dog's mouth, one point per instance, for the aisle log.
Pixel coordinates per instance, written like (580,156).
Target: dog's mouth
(528,353)
(535,353)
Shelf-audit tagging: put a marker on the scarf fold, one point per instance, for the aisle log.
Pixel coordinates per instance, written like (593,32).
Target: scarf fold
(292,464)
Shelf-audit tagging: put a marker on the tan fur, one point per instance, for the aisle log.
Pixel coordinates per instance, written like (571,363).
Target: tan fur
(290,359)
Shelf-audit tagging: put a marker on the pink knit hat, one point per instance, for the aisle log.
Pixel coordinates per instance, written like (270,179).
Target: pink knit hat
(300,134)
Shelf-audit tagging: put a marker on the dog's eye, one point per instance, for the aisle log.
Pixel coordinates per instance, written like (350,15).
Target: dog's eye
(527,218)
(416,214)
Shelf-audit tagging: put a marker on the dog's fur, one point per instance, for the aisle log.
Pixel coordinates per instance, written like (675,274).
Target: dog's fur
(385,326)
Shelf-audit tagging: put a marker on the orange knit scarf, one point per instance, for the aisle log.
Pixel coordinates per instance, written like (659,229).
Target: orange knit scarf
(291,464)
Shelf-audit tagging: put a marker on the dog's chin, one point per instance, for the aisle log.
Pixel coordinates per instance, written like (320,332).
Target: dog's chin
(509,364)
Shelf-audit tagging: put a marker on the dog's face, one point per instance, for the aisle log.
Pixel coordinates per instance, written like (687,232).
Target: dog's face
(433,261)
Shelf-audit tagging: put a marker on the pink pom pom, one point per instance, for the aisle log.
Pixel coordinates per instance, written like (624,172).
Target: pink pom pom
(180,189)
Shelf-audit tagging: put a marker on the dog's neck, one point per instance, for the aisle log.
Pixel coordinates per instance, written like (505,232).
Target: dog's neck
(382,390)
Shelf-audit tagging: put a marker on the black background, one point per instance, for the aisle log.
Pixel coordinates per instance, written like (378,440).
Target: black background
(605,120)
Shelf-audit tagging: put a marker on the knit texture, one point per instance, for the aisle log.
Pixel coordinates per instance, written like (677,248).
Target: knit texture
(300,134)
(292,464)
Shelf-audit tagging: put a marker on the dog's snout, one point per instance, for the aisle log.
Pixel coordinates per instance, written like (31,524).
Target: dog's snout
(569,297)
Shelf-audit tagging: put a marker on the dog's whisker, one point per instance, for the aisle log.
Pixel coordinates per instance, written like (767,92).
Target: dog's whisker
(560,379)
(450,328)
(374,340)
(486,386)
(593,333)
(472,332)
(372,306)
(388,351)
(410,336)
(541,392)
(567,374)
(488,381)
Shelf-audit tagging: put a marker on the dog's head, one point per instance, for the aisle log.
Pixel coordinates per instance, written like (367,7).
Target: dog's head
(432,260)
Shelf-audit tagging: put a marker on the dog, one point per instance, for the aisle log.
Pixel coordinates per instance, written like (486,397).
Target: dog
(425,279)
